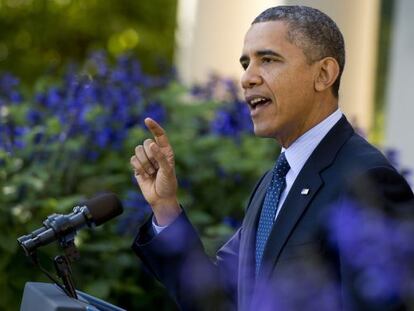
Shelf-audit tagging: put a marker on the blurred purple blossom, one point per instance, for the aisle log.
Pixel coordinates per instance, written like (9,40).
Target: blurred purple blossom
(136,209)
(99,61)
(232,120)
(156,111)
(101,108)
(217,88)
(377,247)
(9,89)
(393,155)
(11,133)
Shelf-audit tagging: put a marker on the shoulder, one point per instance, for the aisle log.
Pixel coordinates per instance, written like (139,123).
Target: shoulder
(356,161)
(357,156)
(364,169)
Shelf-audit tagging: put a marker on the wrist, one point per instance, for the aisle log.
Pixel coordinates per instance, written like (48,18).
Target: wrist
(166,212)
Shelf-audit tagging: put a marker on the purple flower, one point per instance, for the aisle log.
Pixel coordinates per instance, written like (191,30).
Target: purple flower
(232,120)
(8,89)
(223,124)
(92,155)
(15,97)
(377,247)
(154,110)
(99,61)
(393,156)
(103,138)
(53,98)
(34,117)
(136,209)
(8,81)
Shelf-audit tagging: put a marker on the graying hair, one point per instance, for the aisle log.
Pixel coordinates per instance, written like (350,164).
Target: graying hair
(311,30)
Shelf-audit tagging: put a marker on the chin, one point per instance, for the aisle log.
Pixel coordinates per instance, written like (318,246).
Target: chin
(264,133)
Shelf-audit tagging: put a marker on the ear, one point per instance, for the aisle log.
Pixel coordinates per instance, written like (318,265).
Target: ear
(328,71)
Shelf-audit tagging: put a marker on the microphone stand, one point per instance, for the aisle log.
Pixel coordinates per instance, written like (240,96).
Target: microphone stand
(62,263)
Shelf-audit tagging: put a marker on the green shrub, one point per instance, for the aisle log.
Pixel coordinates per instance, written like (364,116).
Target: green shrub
(73,138)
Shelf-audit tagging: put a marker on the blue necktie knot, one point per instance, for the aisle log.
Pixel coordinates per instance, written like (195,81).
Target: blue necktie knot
(282,166)
(270,204)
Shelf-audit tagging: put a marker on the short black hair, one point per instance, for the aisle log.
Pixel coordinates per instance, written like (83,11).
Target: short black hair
(311,30)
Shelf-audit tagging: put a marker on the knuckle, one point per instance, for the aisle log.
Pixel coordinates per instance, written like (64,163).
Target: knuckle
(148,151)
(148,141)
(139,169)
(153,147)
(133,161)
(146,165)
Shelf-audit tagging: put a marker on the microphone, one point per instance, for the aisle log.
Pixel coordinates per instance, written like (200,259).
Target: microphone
(93,212)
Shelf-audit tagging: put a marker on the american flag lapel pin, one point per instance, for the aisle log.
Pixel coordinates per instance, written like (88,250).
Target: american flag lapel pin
(305,191)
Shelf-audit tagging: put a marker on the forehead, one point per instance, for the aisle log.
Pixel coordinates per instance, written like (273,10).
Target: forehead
(269,35)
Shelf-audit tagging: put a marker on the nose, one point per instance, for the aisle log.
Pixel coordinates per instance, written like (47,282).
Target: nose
(250,77)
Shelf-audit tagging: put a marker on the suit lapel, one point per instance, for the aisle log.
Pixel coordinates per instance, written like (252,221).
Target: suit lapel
(294,206)
(296,203)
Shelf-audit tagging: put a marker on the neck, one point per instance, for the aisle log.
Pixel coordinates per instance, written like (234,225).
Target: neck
(320,113)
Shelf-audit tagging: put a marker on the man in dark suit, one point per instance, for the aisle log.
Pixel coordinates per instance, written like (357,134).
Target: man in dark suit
(286,255)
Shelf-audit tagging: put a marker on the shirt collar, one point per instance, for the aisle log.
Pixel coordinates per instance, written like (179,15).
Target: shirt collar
(299,152)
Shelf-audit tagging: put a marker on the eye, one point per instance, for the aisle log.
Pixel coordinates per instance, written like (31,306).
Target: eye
(268,60)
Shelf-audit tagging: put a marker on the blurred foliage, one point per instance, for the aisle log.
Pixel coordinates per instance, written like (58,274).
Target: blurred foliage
(39,36)
(384,46)
(72,137)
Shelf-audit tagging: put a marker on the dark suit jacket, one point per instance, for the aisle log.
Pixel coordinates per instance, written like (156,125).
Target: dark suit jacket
(304,265)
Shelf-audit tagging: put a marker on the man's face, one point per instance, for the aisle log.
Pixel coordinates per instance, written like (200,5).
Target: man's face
(278,83)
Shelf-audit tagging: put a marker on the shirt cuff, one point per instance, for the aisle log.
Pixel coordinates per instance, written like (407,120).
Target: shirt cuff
(157,229)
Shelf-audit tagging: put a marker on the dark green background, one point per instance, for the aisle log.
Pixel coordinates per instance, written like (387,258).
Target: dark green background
(40,36)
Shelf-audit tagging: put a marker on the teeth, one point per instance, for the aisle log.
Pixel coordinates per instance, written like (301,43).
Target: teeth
(257,100)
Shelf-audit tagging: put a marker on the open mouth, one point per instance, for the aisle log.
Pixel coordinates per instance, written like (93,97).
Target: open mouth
(256,102)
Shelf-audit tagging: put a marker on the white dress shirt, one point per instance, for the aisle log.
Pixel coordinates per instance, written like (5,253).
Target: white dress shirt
(297,154)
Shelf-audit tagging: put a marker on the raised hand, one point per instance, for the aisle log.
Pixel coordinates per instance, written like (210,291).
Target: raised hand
(154,167)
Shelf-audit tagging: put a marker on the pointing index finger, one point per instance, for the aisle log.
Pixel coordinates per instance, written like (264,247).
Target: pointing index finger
(159,133)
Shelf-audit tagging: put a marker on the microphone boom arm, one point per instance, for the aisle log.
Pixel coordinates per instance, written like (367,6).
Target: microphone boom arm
(56,225)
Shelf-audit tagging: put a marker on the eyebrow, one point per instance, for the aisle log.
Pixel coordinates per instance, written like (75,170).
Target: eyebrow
(268,52)
(244,58)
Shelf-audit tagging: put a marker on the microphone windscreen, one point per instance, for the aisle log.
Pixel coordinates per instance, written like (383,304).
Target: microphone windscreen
(104,207)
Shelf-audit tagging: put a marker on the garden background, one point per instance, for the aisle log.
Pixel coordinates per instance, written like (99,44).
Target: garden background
(77,79)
